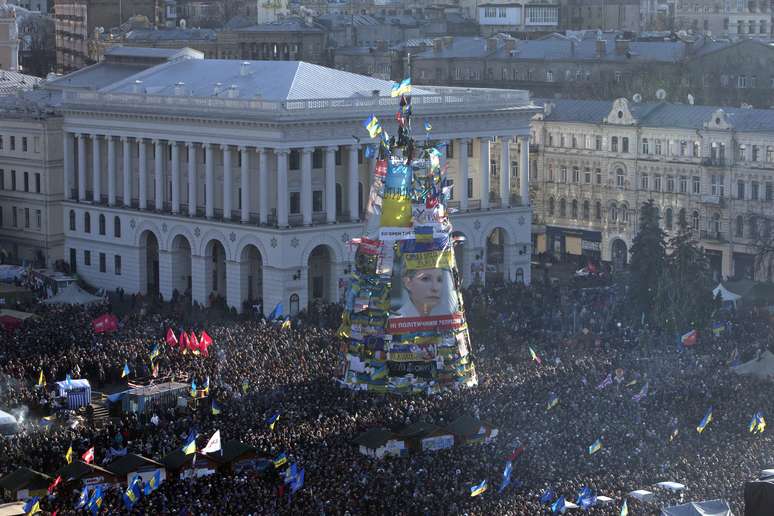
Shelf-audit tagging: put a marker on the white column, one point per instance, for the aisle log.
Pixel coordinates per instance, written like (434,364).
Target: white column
(306,185)
(263,186)
(234,285)
(524,171)
(352,181)
(175,177)
(330,184)
(282,187)
(142,166)
(111,170)
(485,171)
(191,178)
(244,183)
(159,175)
(81,167)
(228,182)
(199,284)
(462,187)
(505,172)
(127,171)
(67,156)
(96,170)
(166,283)
(209,182)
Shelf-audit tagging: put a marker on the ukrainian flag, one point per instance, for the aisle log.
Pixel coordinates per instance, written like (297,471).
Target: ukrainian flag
(286,324)
(757,424)
(132,493)
(373,126)
(154,352)
(428,126)
(189,446)
(207,386)
(69,455)
(478,489)
(401,88)
(32,505)
(423,234)
(193,388)
(281,460)
(705,421)
(272,420)
(155,481)
(595,447)
(125,372)
(215,408)
(380,372)
(552,402)
(41,378)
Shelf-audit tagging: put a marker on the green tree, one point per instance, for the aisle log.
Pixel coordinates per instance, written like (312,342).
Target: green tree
(647,263)
(684,298)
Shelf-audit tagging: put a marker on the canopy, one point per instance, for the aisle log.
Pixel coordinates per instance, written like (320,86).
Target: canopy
(72,295)
(708,508)
(672,486)
(725,294)
(9,273)
(642,495)
(6,418)
(762,367)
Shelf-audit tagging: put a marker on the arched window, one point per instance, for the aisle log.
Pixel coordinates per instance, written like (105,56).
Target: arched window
(613,214)
(586,211)
(87,222)
(520,275)
(551,206)
(669,218)
(575,208)
(102,224)
(294,302)
(739,226)
(681,217)
(619,178)
(562,208)
(598,210)
(117,227)
(695,221)
(624,214)
(72,220)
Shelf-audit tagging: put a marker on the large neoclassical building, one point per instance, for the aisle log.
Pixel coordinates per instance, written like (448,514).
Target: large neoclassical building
(247,180)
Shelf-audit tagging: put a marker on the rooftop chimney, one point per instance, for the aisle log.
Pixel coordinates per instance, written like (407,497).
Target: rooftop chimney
(601,47)
(137,86)
(244,69)
(217,89)
(233,91)
(180,89)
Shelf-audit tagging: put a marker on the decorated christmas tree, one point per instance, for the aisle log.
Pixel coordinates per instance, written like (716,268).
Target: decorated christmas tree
(404,328)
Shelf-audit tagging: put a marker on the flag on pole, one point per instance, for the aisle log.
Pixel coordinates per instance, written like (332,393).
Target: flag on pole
(272,420)
(155,480)
(553,400)
(88,457)
(189,446)
(595,446)
(401,88)
(213,445)
(83,498)
(547,496)
(428,125)
(373,127)
(643,392)
(125,371)
(205,342)
(705,421)
(57,481)
(757,423)
(604,383)
(207,386)
(689,339)
(184,343)
(478,489)
(286,324)
(95,503)
(171,338)
(132,493)
(534,356)
(506,476)
(558,505)
(624,509)
(41,378)
(215,407)
(193,388)
(276,312)
(32,505)
(69,455)
(154,352)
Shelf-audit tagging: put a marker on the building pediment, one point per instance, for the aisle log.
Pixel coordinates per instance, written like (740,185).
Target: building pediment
(719,121)
(620,113)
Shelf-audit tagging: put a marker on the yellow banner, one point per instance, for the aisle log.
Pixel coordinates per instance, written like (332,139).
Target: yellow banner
(443,259)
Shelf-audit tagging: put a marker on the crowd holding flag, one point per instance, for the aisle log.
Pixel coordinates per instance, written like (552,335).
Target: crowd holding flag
(171,338)
(184,342)
(281,460)
(277,311)
(705,421)
(215,407)
(32,505)
(189,446)
(690,338)
(607,381)
(595,446)
(479,489)
(125,371)
(286,324)
(757,423)
(506,476)
(153,483)
(374,128)
(272,420)
(95,502)
(586,498)
(154,352)
(558,505)
(83,498)
(625,509)
(54,484)
(88,456)
(69,455)
(547,496)
(213,445)
(132,493)
(535,356)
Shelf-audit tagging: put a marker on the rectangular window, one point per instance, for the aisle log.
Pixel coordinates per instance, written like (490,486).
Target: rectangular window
(614,144)
(37,183)
(683,184)
(574,141)
(658,148)
(26,181)
(294,159)
(769,191)
(563,174)
(470,188)
(696,185)
(470,149)
(755,152)
(670,184)
(696,149)
(102,262)
(26,217)
(598,173)
(657,183)
(754,190)
(1,143)
(493,167)
(295,202)
(15,215)
(73,260)
(740,190)
(575,175)
(317,201)
(13,180)
(450,150)
(587,176)
(13,143)
(598,143)
(360,156)
(625,144)
(2,179)
(717,185)
(742,153)
(87,258)
(38,218)
(24,144)
(683,148)
(645,147)
(644,182)
(117,264)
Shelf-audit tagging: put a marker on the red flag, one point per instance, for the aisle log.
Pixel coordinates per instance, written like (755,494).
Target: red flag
(689,339)
(193,343)
(56,483)
(171,338)
(184,343)
(88,457)
(205,342)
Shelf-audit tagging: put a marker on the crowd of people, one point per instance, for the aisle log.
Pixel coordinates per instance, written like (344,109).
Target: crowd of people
(257,369)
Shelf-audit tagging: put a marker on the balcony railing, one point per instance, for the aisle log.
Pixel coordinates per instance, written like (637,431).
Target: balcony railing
(713,162)
(716,236)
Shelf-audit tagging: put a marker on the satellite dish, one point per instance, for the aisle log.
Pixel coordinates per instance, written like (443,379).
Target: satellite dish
(690,99)
(637,98)
(660,94)
(183,23)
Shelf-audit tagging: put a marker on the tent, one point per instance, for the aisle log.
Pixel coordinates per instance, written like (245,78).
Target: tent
(7,423)
(726,295)
(73,295)
(643,495)
(672,486)
(24,483)
(78,393)
(378,442)
(759,497)
(12,319)
(708,508)
(762,367)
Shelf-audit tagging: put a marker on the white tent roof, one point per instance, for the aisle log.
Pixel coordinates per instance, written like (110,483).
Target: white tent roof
(6,418)
(643,495)
(726,294)
(72,295)
(763,368)
(75,383)
(672,486)
(708,508)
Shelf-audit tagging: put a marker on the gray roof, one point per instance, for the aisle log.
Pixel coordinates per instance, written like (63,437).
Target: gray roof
(38,103)
(654,114)
(286,25)
(171,35)
(154,53)
(271,80)
(96,76)
(11,82)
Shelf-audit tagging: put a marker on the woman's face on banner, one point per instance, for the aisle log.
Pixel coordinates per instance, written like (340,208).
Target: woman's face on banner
(425,287)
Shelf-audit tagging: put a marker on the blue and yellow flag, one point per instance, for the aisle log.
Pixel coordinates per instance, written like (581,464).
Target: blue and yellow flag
(125,372)
(595,446)
(95,503)
(32,505)
(154,352)
(132,493)
(624,509)
(215,408)
(423,234)
(193,388)
(478,489)
(558,505)
(547,496)
(83,498)
(207,386)
(373,126)
(401,88)
(155,480)
(286,324)
(428,125)
(705,421)
(272,420)
(553,400)
(189,446)
(757,423)
(281,460)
